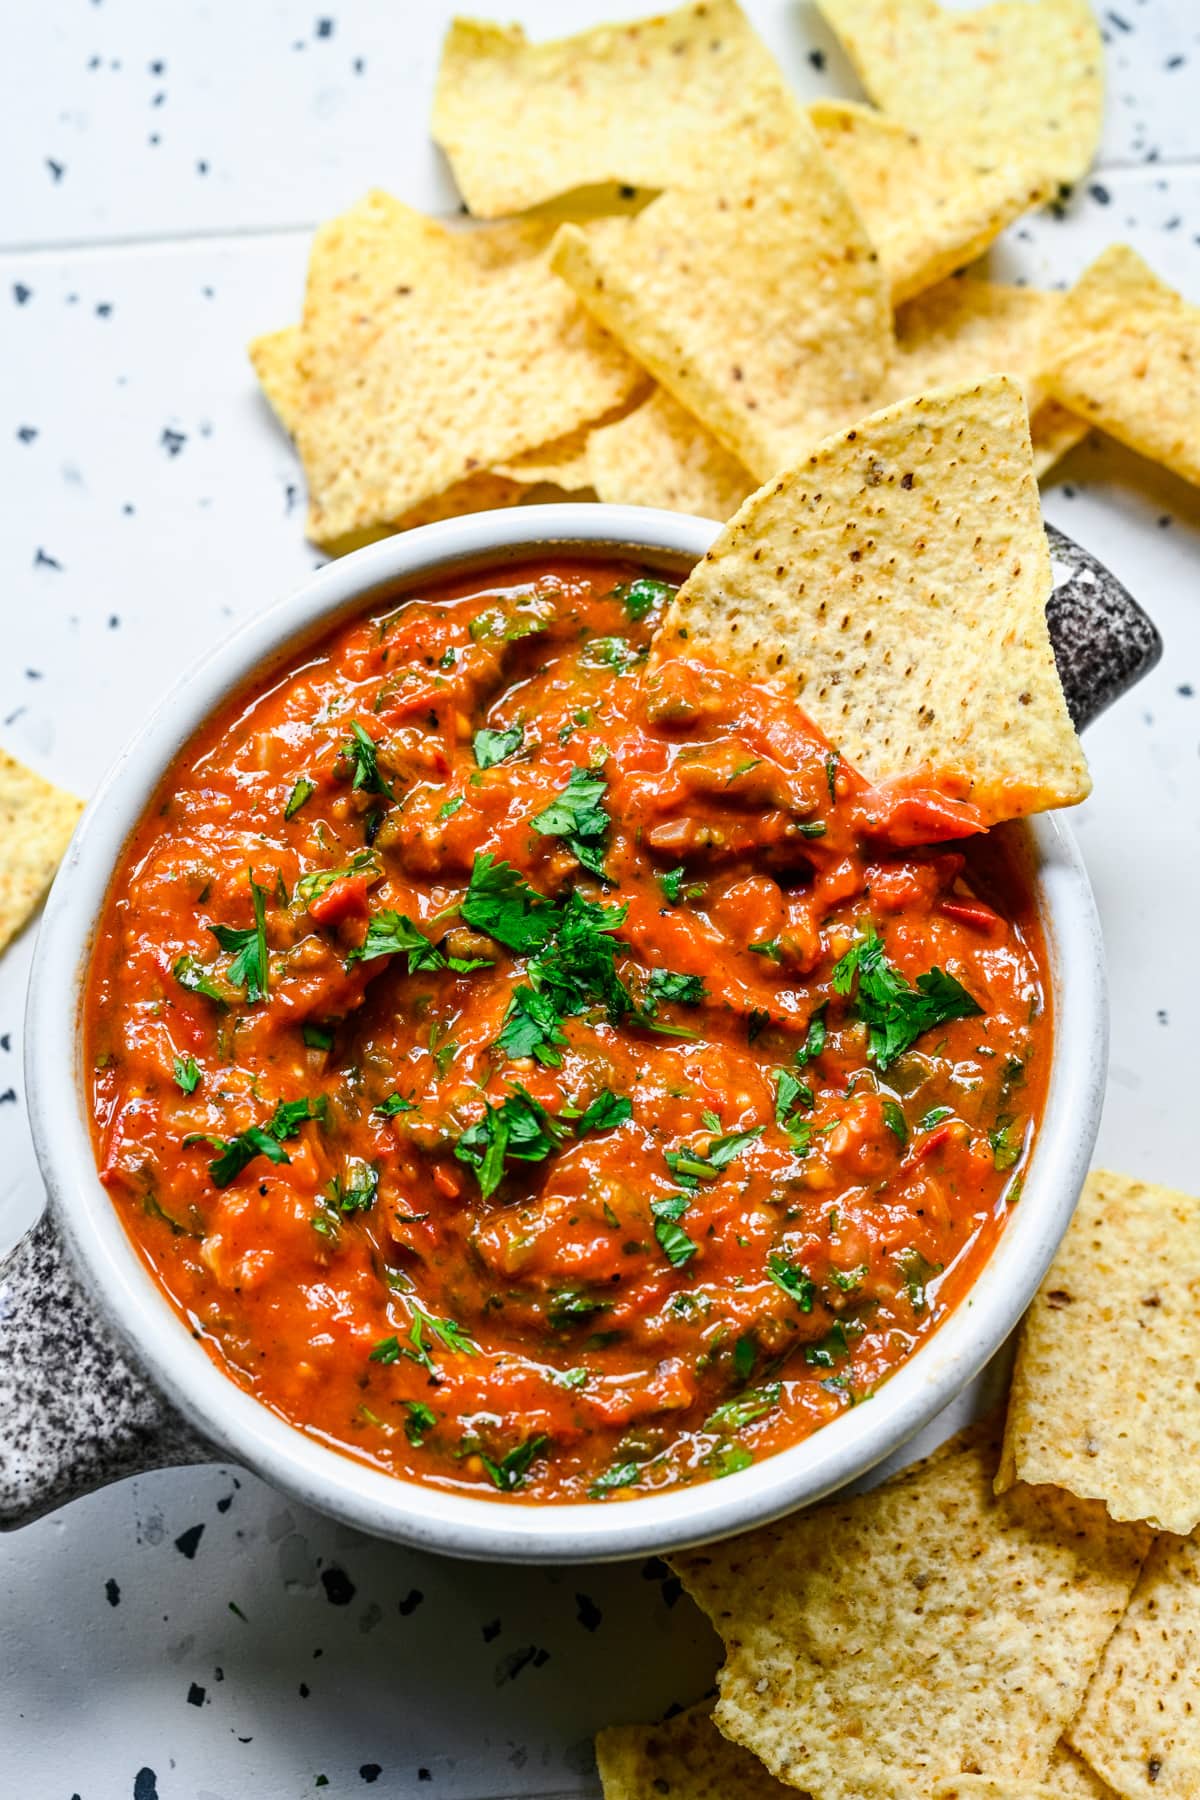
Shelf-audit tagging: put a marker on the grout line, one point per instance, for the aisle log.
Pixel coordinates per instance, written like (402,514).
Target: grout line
(231,234)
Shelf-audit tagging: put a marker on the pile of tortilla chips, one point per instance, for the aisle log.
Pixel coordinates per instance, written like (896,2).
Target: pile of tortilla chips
(1016,1618)
(674,279)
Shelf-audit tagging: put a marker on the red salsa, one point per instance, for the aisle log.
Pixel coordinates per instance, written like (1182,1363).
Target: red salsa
(537,1067)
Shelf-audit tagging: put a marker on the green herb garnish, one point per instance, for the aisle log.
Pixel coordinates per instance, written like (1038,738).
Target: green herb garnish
(363,756)
(492,747)
(731,1415)
(303,790)
(248,947)
(577,816)
(511,1470)
(895,1013)
(187,1074)
(673,1240)
(795,1281)
(519,1129)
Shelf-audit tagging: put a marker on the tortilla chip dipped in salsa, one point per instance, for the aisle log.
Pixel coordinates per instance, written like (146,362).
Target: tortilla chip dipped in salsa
(895,581)
(504,1036)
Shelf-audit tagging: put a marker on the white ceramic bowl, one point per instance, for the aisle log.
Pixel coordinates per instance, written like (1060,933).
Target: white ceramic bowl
(300,1465)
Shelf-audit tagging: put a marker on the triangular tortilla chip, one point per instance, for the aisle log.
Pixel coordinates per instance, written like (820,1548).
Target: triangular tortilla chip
(879,1644)
(659,103)
(926,211)
(896,582)
(964,329)
(1129,360)
(1071,1779)
(659,455)
(1104,1399)
(762,308)
(36,822)
(276,360)
(686,1758)
(430,357)
(1139,1726)
(1019,80)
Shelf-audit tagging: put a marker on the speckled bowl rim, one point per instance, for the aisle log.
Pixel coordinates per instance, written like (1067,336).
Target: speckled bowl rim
(301,1464)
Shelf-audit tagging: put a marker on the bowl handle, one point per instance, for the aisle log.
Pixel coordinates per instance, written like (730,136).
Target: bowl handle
(1103,641)
(77,1413)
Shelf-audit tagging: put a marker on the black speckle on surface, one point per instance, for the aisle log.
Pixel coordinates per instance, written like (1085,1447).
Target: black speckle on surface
(304,1690)
(6,1041)
(1116,19)
(104,309)
(202,167)
(424,1775)
(57,169)
(145,1785)
(491,1631)
(530,1656)
(1174,62)
(33,674)
(27,433)
(410,1602)
(587,1612)
(114,621)
(195,1694)
(1099,193)
(654,1569)
(224,1503)
(112,1592)
(359,65)
(43,560)
(324,28)
(1163,1016)
(9,1096)
(172,441)
(672,1590)
(1164,521)
(21,293)
(370,1772)
(339,1589)
(817,58)
(1185,690)
(188,1542)
(157,68)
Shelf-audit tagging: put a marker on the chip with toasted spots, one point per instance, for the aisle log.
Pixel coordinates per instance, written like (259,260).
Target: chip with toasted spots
(926,211)
(661,102)
(702,288)
(1104,1398)
(430,358)
(929,1630)
(1128,360)
(36,822)
(1139,1726)
(685,1757)
(895,581)
(1020,79)
(276,360)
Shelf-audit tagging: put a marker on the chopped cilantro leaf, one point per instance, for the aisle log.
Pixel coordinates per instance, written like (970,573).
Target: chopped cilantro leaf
(671,881)
(733,1460)
(501,903)
(848,1280)
(511,1470)
(814,1041)
(916,1272)
(192,975)
(518,1128)
(640,597)
(577,816)
(831,775)
(934,1116)
(317,1037)
(235,1153)
(187,1074)
(828,1351)
(1007,1141)
(531,1027)
(894,1013)
(492,747)
(812,828)
(731,1415)
(248,947)
(745,1353)
(356,1188)
(578,970)
(673,1240)
(894,1119)
(617,1475)
(363,756)
(303,790)
(684,990)
(395,1103)
(421,1418)
(386,1351)
(446,1332)
(795,1281)
(606,1111)
(449,807)
(310,887)
(289,1115)
(570,1304)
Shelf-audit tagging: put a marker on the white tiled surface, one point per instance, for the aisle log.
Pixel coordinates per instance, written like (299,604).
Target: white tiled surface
(154,505)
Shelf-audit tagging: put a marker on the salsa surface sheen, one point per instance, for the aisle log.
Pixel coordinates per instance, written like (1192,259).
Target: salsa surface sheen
(537,1069)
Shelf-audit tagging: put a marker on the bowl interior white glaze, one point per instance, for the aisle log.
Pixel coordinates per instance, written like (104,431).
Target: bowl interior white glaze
(301,1464)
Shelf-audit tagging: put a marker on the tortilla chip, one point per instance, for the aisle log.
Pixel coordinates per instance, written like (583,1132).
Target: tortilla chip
(432,357)
(1021,79)
(1055,432)
(1139,1727)
(896,581)
(991,1787)
(659,455)
(1129,360)
(926,211)
(564,464)
(1071,1779)
(276,360)
(657,103)
(36,822)
(1104,1397)
(879,1644)
(686,1757)
(762,308)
